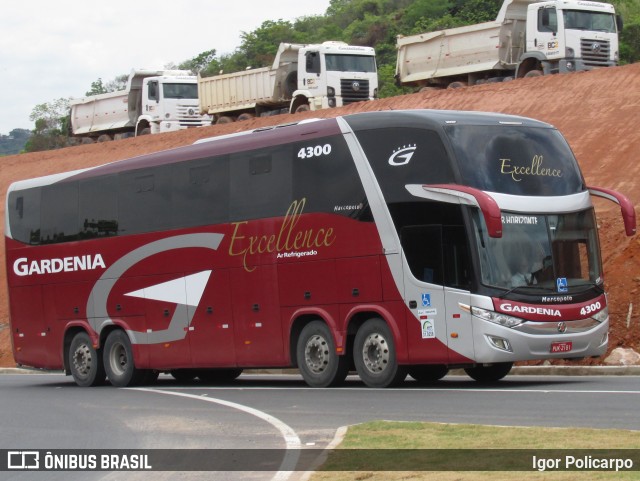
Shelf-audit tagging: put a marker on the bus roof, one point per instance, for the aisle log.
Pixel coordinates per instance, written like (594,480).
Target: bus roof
(279,134)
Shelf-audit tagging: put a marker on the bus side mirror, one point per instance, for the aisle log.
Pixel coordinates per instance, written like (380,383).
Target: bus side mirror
(461,194)
(626,207)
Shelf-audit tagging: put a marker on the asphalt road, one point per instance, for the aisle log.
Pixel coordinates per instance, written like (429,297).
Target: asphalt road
(48,411)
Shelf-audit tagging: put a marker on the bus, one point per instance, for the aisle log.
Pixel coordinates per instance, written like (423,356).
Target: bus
(389,243)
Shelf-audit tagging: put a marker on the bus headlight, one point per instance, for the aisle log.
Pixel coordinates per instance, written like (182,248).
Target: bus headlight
(602,316)
(496,317)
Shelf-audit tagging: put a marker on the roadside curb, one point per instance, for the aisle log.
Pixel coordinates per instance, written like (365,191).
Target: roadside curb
(516,371)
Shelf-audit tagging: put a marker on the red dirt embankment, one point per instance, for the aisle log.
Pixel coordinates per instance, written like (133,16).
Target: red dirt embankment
(597,111)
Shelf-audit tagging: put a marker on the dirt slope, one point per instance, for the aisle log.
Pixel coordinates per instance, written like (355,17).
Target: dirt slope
(597,111)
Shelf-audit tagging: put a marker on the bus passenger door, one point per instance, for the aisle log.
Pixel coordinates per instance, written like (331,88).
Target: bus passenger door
(424,294)
(434,288)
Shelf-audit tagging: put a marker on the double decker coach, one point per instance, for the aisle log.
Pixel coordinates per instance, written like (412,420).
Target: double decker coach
(394,243)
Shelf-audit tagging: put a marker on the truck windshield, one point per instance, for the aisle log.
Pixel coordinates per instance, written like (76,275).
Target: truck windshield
(585,20)
(180,91)
(350,63)
(540,252)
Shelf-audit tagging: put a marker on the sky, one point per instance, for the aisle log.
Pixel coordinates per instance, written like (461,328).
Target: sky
(53,49)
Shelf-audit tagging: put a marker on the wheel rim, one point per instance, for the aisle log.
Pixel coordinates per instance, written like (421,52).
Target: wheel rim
(316,354)
(375,353)
(118,360)
(82,360)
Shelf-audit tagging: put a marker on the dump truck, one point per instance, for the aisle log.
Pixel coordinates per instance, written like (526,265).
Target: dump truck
(526,39)
(153,101)
(301,78)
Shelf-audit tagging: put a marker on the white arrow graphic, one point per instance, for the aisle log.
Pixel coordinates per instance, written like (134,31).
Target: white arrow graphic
(185,290)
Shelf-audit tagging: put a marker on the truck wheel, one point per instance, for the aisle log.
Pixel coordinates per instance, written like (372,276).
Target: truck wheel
(302,108)
(456,85)
(118,360)
(85,362)
(225,119)
(428,374)
(489,373)
(318,361)
(375,355)
(533,73)
(104,138)
(245,116)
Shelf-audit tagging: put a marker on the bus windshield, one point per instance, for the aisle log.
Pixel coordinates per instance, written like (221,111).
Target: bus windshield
(350,63)
(541,252)
(515,160)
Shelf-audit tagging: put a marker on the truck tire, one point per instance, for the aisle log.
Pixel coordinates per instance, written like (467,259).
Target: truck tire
(490,373)
(318,361)
(456,85)
(85,362)
(224,119)
(374,355)
(245,116)
(533,73)
(118,360)
(104,138)
(302,108)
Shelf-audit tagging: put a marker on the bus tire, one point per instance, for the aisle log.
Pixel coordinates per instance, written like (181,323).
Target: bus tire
(85,362)
(427,374)
(318,361)
(489,373)
(374,355)
(118,360)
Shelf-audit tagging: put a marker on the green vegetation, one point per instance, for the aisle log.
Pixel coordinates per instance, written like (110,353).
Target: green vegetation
(372,437)
(14,142)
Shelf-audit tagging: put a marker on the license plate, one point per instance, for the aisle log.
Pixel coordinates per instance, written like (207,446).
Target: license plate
(561,346)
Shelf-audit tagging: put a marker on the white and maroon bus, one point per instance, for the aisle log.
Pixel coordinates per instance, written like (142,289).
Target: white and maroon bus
(392,243)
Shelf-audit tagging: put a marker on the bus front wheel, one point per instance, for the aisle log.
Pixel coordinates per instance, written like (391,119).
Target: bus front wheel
(490,372)
(318,361)
(118,360)
(85,363)
(375,355)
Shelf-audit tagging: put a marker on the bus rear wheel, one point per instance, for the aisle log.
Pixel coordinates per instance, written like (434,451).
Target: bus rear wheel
(375,355)
(85,363)
(490,372)
(118,361)
(318,361)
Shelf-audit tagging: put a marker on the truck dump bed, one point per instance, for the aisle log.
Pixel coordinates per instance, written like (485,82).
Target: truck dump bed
(495,45)
(237,90)
(102,112)
(449,52)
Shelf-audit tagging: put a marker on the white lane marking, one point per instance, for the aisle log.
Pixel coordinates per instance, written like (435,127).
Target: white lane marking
(291,439)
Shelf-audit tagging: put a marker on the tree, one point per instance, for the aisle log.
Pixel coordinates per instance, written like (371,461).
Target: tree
(204,62)
(51,125)
(97,88)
